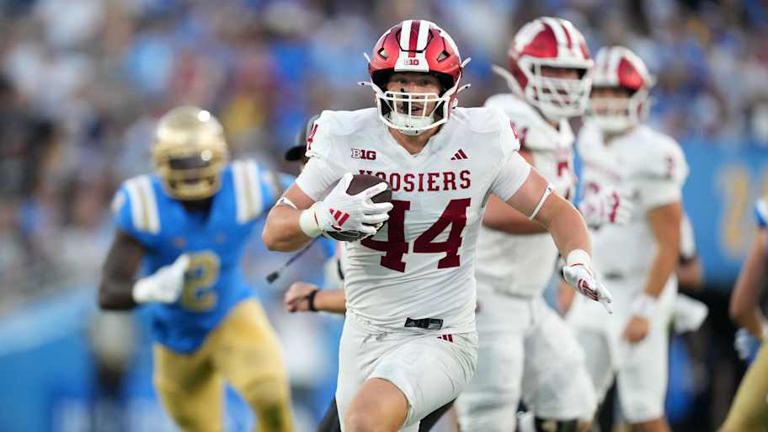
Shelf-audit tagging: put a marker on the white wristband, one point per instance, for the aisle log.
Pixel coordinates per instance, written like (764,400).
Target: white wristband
(644,305)
(308,222)
(578,256)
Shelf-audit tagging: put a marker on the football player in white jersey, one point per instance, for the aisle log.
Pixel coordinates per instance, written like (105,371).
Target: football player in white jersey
(639,258)
(409,343)
(525,348)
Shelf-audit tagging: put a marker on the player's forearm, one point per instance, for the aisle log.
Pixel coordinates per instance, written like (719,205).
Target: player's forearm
(501,217)
(754,322)
(116,294)
(117,276)
(664,263)
(746,293)
(690,275)
(565,224)
(516,226)
(565,296)
(333,301)
(282,231)
(664,221)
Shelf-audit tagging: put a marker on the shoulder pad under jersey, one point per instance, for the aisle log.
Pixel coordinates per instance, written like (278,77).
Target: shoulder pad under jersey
(135,206)
(657,155)
(333,124)
(535,132)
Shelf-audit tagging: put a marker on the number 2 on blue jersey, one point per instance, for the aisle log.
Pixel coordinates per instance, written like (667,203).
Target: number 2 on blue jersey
(199,280)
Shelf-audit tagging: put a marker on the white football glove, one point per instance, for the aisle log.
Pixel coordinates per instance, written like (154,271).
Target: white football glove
(340,211)
(688,314)
(164,285)
(746,344)
(605,207)
(579,274)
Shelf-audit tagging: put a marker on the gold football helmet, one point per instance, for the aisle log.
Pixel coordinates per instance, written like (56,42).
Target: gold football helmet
(189,153)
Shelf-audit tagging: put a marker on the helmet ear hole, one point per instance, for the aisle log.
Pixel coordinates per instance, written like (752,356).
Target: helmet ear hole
(381,78)
(446,81)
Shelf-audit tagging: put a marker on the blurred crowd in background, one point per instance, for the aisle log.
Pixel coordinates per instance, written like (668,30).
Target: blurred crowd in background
(82,83)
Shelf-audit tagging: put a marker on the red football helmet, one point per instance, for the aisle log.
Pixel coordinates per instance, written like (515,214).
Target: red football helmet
(554,43)
(415,46)
(619,68)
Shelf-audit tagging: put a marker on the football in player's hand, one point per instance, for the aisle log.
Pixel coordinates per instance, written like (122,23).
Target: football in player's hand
(359,183)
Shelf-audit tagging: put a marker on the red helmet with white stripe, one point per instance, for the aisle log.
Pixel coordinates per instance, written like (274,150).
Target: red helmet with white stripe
(619,68)
(549,43)
(415,46)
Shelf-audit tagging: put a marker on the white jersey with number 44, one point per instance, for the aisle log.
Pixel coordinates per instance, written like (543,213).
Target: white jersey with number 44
(522,265)
(421,263)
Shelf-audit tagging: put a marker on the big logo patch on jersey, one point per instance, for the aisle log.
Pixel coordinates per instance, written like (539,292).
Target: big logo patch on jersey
(363,154)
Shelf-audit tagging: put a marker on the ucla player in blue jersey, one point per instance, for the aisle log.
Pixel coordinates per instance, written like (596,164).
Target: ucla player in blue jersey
(749,408)
(186,227)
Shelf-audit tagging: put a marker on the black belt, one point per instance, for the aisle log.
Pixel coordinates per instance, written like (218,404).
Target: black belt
(425,323)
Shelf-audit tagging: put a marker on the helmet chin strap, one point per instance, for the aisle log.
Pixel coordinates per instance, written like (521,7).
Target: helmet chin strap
(410,132)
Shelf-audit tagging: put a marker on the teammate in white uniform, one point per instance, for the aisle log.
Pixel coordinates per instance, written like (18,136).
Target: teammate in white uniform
(525,348)
(638,260)
(409,343)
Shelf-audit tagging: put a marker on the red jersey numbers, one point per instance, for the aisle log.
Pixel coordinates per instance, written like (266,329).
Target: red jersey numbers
(520,135)
(566,177)
(514,130)
(311,136)
(453,218)
(395,246)
(669,163)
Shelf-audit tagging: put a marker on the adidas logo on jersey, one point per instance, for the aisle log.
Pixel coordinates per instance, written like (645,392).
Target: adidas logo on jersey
(460,155)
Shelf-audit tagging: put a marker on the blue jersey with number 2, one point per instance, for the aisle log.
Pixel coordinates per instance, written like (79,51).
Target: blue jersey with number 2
(214,240)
